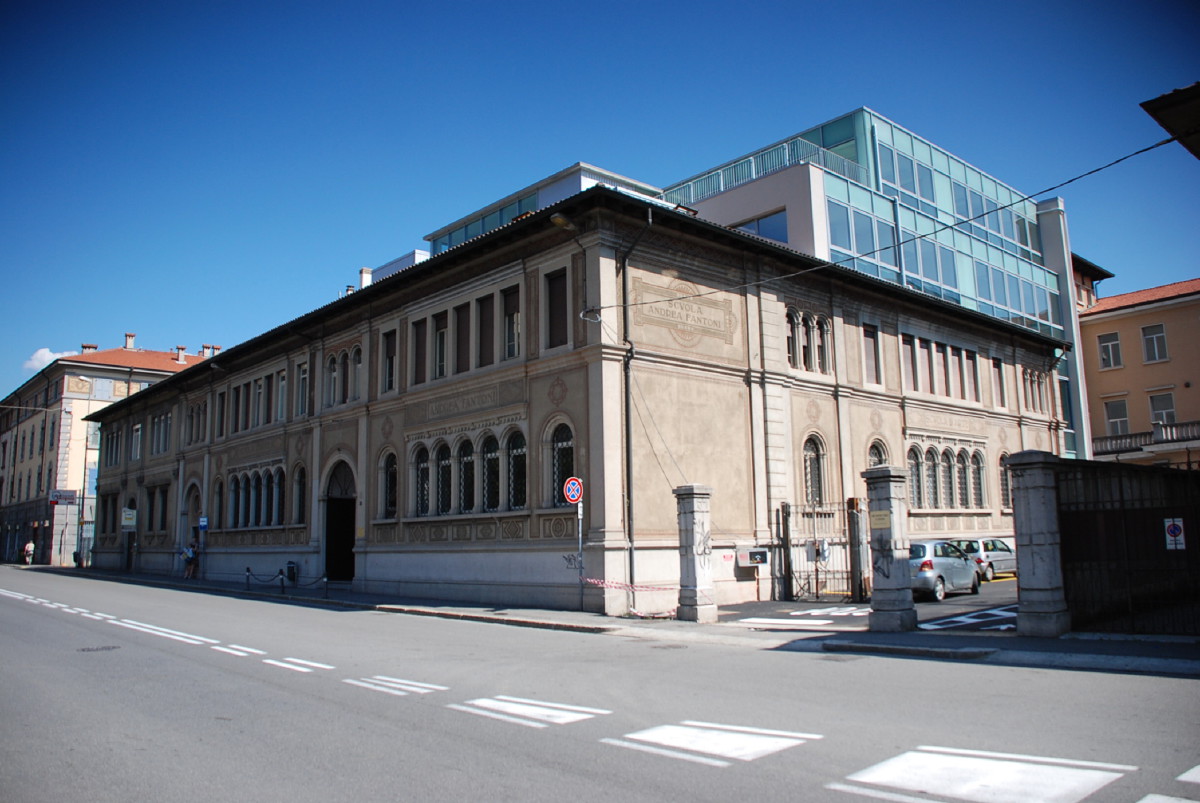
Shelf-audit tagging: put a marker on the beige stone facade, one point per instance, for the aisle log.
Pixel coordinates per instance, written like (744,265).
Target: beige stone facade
(413,437)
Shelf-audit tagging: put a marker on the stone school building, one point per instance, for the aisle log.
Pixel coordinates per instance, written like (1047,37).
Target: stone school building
(414,436)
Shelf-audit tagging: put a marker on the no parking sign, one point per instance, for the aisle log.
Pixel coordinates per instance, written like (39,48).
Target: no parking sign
(573,490)
(1174,530)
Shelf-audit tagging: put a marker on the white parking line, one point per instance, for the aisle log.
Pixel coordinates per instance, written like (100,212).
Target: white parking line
(660,751)
(530,713)
(1165,799)
(413,686)
(1191,776)
(284,665)
(156,632)
(297,664)
(231,651)
(366,684)
(313,664)
(250,650)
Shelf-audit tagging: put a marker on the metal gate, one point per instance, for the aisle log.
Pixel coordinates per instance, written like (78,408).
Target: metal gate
(1130,547)
(825,553)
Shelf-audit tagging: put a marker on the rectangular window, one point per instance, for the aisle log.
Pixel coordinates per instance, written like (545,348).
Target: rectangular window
(1154,342)
(418,351)
(929,264)
(908,176)
(1116,414)
(389,360)
(954,374)
(925,367)
(971,376)
(302,389)
(908,362)
(440,344)
(135,443)
(512,322)
(983,282)
(485,314)
(871,354)
(556,309)
(887,164)
(839,226)
(1162,408)
(221,414)
(1110,350)
(257,405)
(462,338)
(245,422)
(281,396)
(887,244)
(941,369)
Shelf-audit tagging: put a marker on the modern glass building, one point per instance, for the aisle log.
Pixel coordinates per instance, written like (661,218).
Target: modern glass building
(865,192)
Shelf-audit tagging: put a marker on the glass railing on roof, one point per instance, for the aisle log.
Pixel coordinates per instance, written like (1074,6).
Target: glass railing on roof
(756,165)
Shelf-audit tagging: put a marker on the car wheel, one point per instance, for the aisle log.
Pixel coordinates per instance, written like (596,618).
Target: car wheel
(939,590)
(990,573)
(975,583)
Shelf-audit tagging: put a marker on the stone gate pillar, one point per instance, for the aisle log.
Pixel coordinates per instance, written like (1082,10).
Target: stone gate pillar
(697,597)
(891,595)
(1043,602)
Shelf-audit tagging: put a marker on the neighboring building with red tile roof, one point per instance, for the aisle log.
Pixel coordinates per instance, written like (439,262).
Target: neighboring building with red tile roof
(1142,374)
(46,446)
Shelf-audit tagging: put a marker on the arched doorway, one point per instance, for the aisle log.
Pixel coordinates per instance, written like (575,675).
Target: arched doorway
(339,524)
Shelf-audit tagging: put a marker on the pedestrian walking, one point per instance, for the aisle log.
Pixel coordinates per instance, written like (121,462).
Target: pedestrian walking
(191,559)
(29,552)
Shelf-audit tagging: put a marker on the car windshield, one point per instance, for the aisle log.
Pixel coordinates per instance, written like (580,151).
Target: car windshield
(916,551)
(967,546)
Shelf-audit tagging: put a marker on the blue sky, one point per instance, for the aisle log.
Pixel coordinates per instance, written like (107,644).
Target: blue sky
(201,172)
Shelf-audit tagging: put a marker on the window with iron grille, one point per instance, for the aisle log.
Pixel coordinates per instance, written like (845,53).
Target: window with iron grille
(562,461)
(466,477)
(491,474)
(516,472)
(421,482)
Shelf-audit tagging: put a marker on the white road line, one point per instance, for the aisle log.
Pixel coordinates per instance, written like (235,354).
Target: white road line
(986,780)
(409,685)
(250,650)
(1165,799)
(560,706)
(1067,762)
(201,639)
(230,650)
(366,684)
(313,664)
(13,594)
(292,667)
(141,629)
(94,616)
(1191,776)
(661,751)
(542,712)
(479,712)
(715,741)
(877,794)
(761,731)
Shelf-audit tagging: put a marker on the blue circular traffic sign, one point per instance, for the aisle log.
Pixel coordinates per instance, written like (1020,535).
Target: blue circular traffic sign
(573,490)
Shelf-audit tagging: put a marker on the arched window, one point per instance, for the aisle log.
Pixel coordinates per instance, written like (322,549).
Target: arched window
(822,347)
(219,505)
(300,495)
(421,482)
(964,482)
(1005,484)
(331,382)
(806,343)
(445,470)
(516,471)
(562,462)
(356,373)
(235,501)
(389,479)
(876,455)
(947,479)
(491,474)
(277,517)
(466,477)
(932,494)
(256,500)
(345,371)
(268,499)
(916,488)
(977,480)
(814,485)
(793,333)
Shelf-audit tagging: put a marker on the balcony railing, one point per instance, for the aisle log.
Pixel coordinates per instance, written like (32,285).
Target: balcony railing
(1132,442)
(761,163)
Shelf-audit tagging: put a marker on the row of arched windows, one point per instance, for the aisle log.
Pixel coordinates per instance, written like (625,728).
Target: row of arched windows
(258,499)
(945,479)
(343,375)
(808,341)
(486,475)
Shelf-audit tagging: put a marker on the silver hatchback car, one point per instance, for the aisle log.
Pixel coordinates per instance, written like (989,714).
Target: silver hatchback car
(938,567)
(992,556)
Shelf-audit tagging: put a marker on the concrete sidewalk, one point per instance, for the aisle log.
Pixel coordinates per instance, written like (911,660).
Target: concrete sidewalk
(1163,655)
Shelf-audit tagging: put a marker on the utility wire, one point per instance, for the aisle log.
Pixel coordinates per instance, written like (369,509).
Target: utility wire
(843,262)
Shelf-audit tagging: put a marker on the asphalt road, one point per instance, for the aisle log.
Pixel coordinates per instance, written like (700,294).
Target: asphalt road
(120,692)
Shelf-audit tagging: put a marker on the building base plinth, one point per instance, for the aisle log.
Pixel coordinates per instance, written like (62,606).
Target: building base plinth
(892,621)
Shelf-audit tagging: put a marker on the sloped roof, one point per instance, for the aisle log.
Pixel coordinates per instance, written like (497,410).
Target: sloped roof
(166,361)
(1149,296)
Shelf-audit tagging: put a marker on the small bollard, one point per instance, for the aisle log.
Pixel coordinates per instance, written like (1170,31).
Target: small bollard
(247,578)
(325,580)
(282,586)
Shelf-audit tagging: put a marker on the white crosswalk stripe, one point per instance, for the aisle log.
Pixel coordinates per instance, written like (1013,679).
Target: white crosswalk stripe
(733,742)
(530,713)
(982,776)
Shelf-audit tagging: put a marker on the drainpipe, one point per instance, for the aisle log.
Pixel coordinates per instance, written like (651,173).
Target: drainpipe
(623,266)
